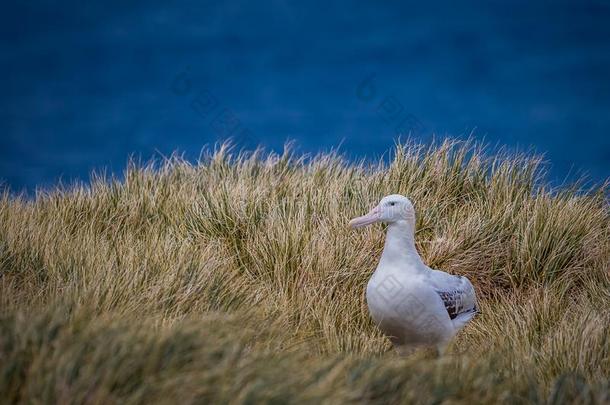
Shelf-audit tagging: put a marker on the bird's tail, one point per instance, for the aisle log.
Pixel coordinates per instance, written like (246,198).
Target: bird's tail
(462,319)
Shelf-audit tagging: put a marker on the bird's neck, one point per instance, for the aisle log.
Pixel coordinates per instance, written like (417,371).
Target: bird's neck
(400,248)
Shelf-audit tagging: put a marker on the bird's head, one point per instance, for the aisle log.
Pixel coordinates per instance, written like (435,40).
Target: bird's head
(391,209)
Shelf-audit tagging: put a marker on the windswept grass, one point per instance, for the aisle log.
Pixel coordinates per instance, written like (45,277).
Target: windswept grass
(236,280)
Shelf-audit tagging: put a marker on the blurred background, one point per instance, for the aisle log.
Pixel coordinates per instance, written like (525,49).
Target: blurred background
(86,85)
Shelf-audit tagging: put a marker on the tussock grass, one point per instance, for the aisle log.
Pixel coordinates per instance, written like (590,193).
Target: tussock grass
(236,280)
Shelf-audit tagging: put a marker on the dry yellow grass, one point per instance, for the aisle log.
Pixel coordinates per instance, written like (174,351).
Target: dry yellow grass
(236,280)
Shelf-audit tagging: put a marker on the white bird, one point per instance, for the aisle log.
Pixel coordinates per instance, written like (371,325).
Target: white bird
(411,303)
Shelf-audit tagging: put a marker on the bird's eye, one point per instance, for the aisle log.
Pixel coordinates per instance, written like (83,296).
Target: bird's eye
(392,203)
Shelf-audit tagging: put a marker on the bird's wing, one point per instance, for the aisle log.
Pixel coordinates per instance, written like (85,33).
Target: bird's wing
(456,292)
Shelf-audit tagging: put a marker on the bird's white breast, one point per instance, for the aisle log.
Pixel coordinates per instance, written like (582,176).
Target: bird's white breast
(406,308)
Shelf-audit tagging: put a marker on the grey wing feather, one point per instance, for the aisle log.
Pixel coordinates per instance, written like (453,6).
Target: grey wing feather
(456,292)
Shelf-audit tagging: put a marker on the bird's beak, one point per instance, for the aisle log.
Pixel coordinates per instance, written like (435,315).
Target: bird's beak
(370,218)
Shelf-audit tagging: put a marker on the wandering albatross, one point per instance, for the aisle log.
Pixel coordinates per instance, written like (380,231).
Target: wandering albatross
(411,303)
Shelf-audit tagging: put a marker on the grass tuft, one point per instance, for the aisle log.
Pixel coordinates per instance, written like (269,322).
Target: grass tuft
(236,280)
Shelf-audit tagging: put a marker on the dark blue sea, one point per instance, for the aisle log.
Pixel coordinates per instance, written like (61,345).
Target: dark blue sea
(85,85)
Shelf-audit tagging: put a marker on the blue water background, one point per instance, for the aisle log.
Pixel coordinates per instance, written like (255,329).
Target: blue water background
(86,85)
